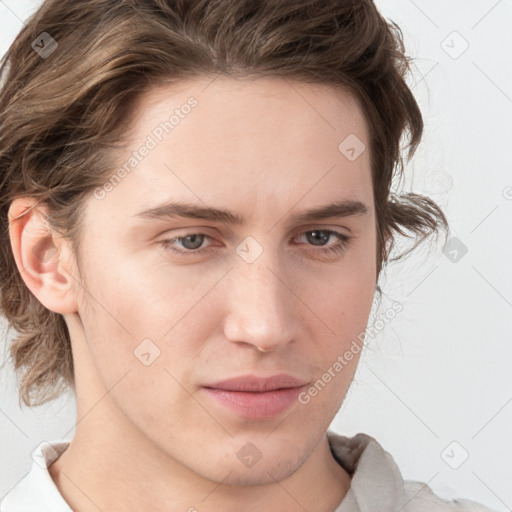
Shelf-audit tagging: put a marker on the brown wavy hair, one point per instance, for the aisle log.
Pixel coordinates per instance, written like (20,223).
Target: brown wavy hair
(62,115)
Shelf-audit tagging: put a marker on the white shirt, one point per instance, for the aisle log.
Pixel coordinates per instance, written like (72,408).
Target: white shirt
(376,482)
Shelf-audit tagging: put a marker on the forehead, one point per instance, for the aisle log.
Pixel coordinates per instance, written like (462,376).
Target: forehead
(239,101)
(241,141)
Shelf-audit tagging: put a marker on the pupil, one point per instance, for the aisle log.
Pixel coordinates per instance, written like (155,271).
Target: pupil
(323,237)
(194,239)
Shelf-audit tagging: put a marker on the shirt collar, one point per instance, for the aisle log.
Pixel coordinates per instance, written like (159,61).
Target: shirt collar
(376,481)
(36,491)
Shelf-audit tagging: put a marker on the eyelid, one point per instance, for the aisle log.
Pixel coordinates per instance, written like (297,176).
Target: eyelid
(205,230)
(322,227)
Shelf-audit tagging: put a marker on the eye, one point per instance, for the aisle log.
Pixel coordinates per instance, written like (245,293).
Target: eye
(192,243)
(320,236)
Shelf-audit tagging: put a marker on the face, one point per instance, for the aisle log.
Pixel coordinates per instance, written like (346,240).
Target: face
(177,305)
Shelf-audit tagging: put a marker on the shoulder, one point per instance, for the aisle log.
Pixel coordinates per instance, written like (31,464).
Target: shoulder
(377,483)
(421,498)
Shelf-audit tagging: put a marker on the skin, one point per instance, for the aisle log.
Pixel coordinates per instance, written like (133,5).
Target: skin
(148,437)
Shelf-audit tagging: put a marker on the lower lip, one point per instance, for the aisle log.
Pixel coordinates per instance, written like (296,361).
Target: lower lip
(256,405)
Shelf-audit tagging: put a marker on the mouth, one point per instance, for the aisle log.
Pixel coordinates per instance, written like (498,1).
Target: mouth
(256,397)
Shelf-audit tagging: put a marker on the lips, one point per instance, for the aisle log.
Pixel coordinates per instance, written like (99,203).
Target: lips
(255,384)
(255,398)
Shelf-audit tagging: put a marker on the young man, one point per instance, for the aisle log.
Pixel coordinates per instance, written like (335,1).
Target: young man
(196,200)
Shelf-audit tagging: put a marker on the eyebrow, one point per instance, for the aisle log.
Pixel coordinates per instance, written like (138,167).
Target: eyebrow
(181,209)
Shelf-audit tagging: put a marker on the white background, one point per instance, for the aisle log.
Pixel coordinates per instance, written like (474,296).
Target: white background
(441,370)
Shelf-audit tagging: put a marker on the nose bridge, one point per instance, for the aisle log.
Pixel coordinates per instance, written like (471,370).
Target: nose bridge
(261,307)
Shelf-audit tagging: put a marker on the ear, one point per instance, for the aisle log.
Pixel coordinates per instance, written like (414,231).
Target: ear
(40,255)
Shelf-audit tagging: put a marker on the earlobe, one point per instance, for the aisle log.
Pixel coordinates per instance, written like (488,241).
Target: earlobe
(39,253)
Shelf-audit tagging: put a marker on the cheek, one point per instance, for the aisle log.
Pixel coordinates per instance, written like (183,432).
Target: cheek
(344,294)
(141,344)
(343,302)
(135,312)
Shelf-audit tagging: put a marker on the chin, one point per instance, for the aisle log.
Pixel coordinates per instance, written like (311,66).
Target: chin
(247,465)
(263,473)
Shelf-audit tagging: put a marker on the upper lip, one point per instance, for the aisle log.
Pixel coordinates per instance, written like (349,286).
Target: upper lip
(253,383)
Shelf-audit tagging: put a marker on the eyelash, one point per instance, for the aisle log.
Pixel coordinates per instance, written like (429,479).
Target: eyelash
(338,248)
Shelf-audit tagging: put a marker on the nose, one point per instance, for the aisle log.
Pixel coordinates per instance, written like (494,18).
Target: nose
(262,310)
